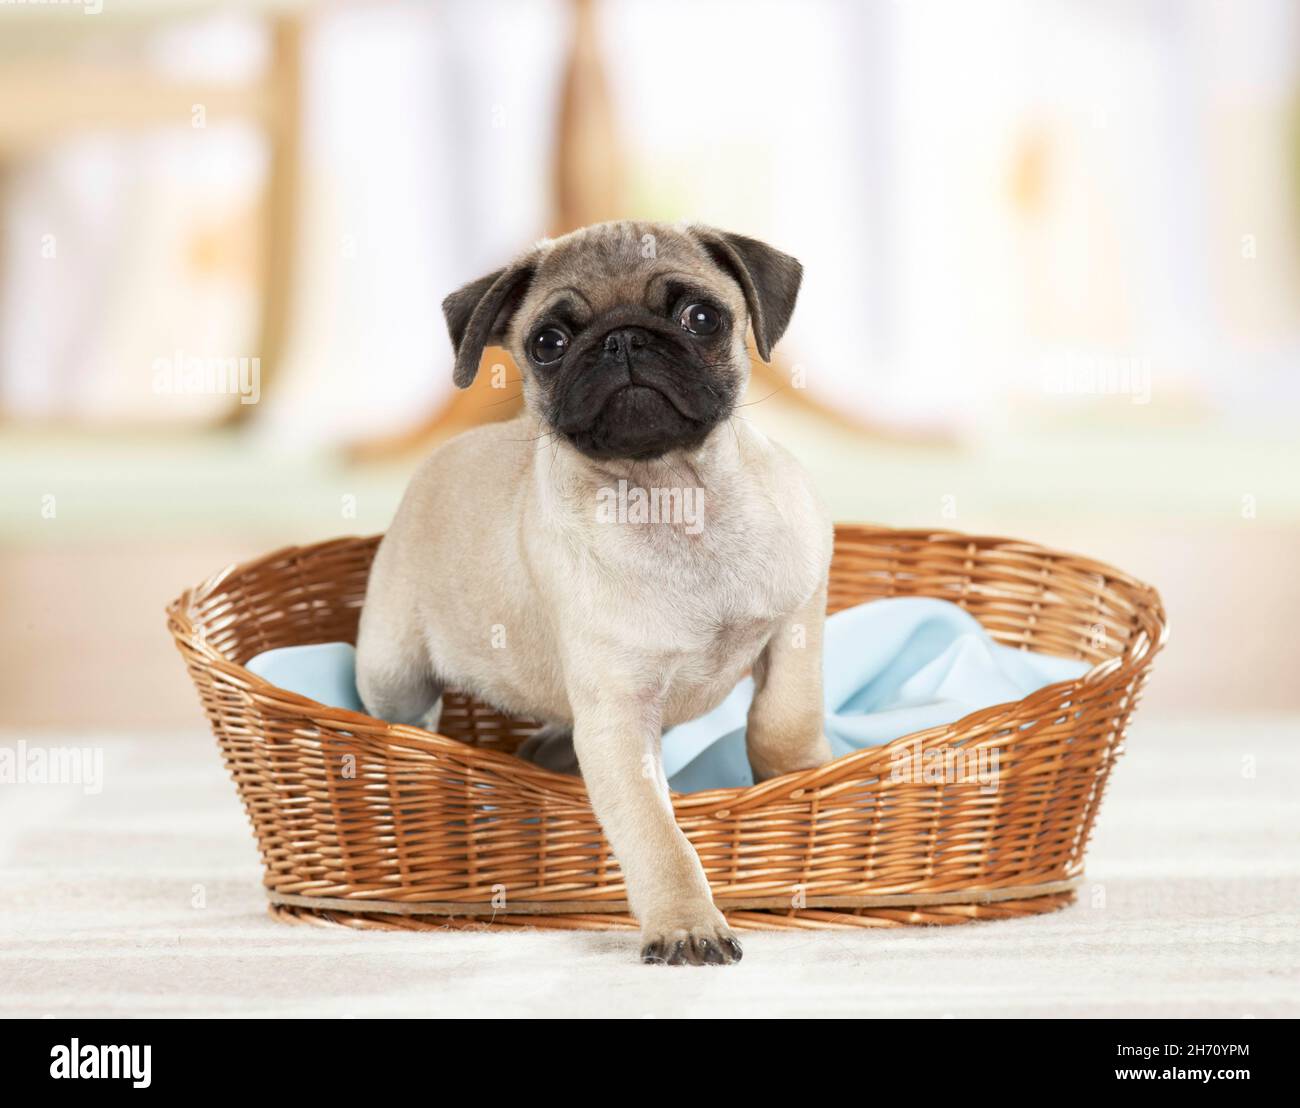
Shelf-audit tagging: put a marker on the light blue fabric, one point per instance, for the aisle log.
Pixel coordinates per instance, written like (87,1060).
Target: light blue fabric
(891,667)
(325,672)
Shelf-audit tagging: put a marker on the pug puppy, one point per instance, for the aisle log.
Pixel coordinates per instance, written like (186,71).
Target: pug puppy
(550,566)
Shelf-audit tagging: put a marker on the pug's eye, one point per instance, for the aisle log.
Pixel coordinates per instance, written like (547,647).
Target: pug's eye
(700,319)
(549,345)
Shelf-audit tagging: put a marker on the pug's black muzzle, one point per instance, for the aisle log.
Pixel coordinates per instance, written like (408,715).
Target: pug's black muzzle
(635,393)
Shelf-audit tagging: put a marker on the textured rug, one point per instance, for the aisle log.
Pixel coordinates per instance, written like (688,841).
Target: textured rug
(143,899)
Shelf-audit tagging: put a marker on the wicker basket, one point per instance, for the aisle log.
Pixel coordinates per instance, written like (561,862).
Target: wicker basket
(374,825)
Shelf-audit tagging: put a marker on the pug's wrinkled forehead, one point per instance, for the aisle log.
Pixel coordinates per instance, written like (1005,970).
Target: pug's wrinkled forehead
(602,268)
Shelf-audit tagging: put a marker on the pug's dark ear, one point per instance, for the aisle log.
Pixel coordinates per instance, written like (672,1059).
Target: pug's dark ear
(769,279)
(479,314)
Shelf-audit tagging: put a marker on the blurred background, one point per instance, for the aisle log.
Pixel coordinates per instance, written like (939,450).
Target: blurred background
(1053,284)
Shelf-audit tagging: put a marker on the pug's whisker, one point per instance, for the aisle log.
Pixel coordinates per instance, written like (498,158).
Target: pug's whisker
(769,396)
(547,435)
(669,466)
(555,450)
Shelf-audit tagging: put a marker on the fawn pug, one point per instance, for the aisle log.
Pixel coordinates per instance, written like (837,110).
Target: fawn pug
(502,576)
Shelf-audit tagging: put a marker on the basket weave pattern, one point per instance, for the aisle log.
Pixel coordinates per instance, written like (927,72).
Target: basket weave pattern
(375,825)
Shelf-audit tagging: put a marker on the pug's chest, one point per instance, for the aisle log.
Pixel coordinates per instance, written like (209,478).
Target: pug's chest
(720,593)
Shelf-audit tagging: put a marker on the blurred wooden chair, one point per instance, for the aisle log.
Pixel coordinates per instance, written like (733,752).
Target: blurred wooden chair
(50,89)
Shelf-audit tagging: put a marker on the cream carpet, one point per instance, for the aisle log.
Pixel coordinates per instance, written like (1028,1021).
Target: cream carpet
(143,900)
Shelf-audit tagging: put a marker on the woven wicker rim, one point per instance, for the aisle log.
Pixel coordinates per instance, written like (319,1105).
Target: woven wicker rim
(1136,657)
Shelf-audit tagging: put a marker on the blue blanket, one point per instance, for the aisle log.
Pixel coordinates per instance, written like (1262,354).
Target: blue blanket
(891,667)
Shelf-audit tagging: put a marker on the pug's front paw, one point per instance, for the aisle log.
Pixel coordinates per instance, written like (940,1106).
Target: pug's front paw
(690,938)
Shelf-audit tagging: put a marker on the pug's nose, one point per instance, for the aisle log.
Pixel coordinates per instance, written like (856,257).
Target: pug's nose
(624,340)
